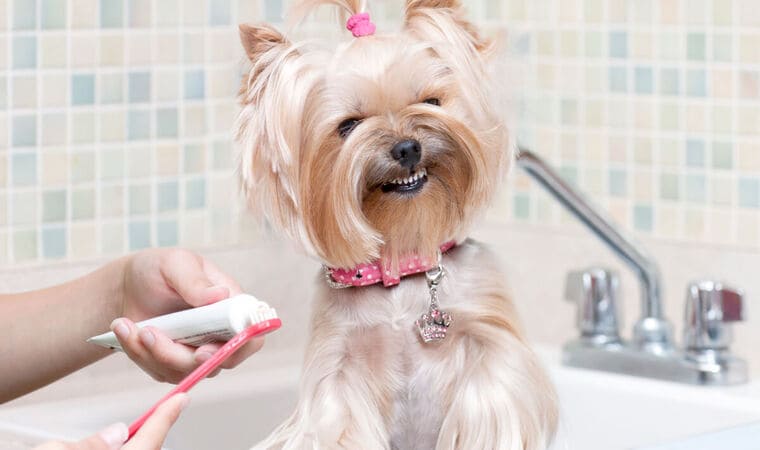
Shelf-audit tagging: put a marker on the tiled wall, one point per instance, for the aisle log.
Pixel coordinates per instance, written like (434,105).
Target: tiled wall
(652,107)
(115,117)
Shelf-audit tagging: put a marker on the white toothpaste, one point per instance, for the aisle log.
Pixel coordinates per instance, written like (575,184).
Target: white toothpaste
(218,321)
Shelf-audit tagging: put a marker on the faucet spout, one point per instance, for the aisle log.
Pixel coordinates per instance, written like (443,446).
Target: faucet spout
(652,332)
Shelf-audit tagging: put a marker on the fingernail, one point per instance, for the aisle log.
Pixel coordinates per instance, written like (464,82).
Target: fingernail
(147,337)
(114,435)
(120,328)
(203,357)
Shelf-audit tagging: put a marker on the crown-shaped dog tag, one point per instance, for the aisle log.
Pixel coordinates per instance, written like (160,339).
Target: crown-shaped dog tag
(434,324)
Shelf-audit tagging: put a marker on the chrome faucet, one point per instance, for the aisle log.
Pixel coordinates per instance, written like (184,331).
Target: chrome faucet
(710,307)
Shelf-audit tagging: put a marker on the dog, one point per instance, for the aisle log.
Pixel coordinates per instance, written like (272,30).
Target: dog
(376,158)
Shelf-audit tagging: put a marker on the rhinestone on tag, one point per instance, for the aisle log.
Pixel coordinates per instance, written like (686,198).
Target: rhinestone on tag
(434,324)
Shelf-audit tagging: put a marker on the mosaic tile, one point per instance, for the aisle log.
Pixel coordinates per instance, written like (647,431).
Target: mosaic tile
(54,242)
(82,204)
(167,193)
(139,235)
(87,13)
(139,13)
(195,194)
(24,208)
(24,131)
(24,245)
(24,15)
(83,127)
(166,123)
(111,201)
(194,84)
(24,169)
(53,14)
(112,238)
(139,199)
(167,233)
(722,155)
(111,13)
(83,89)
(24,52)
(24,90)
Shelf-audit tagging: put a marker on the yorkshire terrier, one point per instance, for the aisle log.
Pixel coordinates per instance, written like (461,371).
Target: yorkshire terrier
(376,157)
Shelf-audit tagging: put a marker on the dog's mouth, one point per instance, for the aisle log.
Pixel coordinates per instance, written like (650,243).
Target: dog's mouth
(409,185)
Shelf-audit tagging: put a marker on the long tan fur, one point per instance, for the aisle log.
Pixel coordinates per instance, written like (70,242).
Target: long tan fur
(369,382)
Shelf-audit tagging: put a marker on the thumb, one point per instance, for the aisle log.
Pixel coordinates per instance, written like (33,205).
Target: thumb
(110,438)
(184,273)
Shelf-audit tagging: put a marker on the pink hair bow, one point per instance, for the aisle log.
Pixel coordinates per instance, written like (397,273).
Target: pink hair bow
(359,25)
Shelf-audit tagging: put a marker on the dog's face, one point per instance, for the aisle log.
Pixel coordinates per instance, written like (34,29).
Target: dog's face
(389,145)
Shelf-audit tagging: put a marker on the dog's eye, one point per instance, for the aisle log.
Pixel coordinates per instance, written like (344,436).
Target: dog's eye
(347,126)
(432,101)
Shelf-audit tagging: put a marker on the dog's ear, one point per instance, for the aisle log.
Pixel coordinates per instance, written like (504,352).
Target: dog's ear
(259,39)
(426,17)
(269,127)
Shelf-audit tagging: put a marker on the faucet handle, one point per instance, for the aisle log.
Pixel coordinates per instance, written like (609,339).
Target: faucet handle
(710,307)
(594,290)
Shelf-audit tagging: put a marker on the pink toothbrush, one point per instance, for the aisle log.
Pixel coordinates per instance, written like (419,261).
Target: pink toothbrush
(257,329)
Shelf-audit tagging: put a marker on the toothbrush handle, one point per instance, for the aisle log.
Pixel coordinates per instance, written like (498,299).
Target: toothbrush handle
(207,367)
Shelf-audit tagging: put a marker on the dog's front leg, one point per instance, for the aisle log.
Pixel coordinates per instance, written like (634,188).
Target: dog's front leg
(346,393)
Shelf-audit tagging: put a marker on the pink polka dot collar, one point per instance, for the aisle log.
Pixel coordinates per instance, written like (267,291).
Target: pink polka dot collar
(373,273)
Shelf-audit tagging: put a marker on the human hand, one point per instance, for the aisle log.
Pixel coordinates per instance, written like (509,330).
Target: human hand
(161,281)
(150,437)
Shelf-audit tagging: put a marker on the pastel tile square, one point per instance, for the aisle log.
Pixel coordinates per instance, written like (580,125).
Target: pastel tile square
(618,44)
(643,218)
(167,48)
(54,129)
(54,206)
(749,48)
(722,155)
(112,126)
(747,118)
(139,13)
(54,242)
(24,131)
(545,42)
(669,186)
(195,194)
(194,84)
(722,47)
(167,159)
(222,155)
(111,88)
(195,121)
(111,51)
(138,125)
(722,12)
(219,12)
(24,211)
(695,46)
(53,14)
(273,11)
(55,90)
(166,122)
(749,192)
(643,80)
(193,48)
(82,166)
(723,119)
(167,233)
(669,116)
(166,84)
(82,204)
(139,199)
(747,156)
(53,52)
(112,237)
(83,127)
(24,52)
(139,48)
(749,84)
(617,11)
(139,87)
(4,60)
(55,169)
(84,51)
(747,12)
(669,81)
(139,162)
(722,190)
(722,83)
(195,12)
(112,201)
(618,78)
(82,89)
(111,164)
(24,245)
(83,241)
(594,43)
(24,15)
(111,13)
(166,13)
(194,158)
(24,90)
(569,44)
(641,44)
(569,111)
(521,206)
(642,11)
(24,169)
(86,13)
(696,188)
(618,182)
(696,82)
(167,193)
(695,153)
(669,45)
(139,235)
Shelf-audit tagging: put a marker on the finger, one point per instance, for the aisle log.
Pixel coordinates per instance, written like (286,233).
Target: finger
(110,438)
(220,278)
(154,431)
(183,272)
(137,344)
(243,353)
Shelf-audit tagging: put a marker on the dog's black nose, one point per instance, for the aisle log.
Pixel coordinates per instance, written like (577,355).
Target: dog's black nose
(407,152)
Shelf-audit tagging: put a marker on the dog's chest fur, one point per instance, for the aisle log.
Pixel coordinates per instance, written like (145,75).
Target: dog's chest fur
(420,377)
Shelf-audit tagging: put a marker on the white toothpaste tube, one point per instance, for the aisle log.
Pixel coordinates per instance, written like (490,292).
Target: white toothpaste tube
(218,321)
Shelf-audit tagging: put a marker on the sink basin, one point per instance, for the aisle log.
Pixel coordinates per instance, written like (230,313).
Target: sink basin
(599,411)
